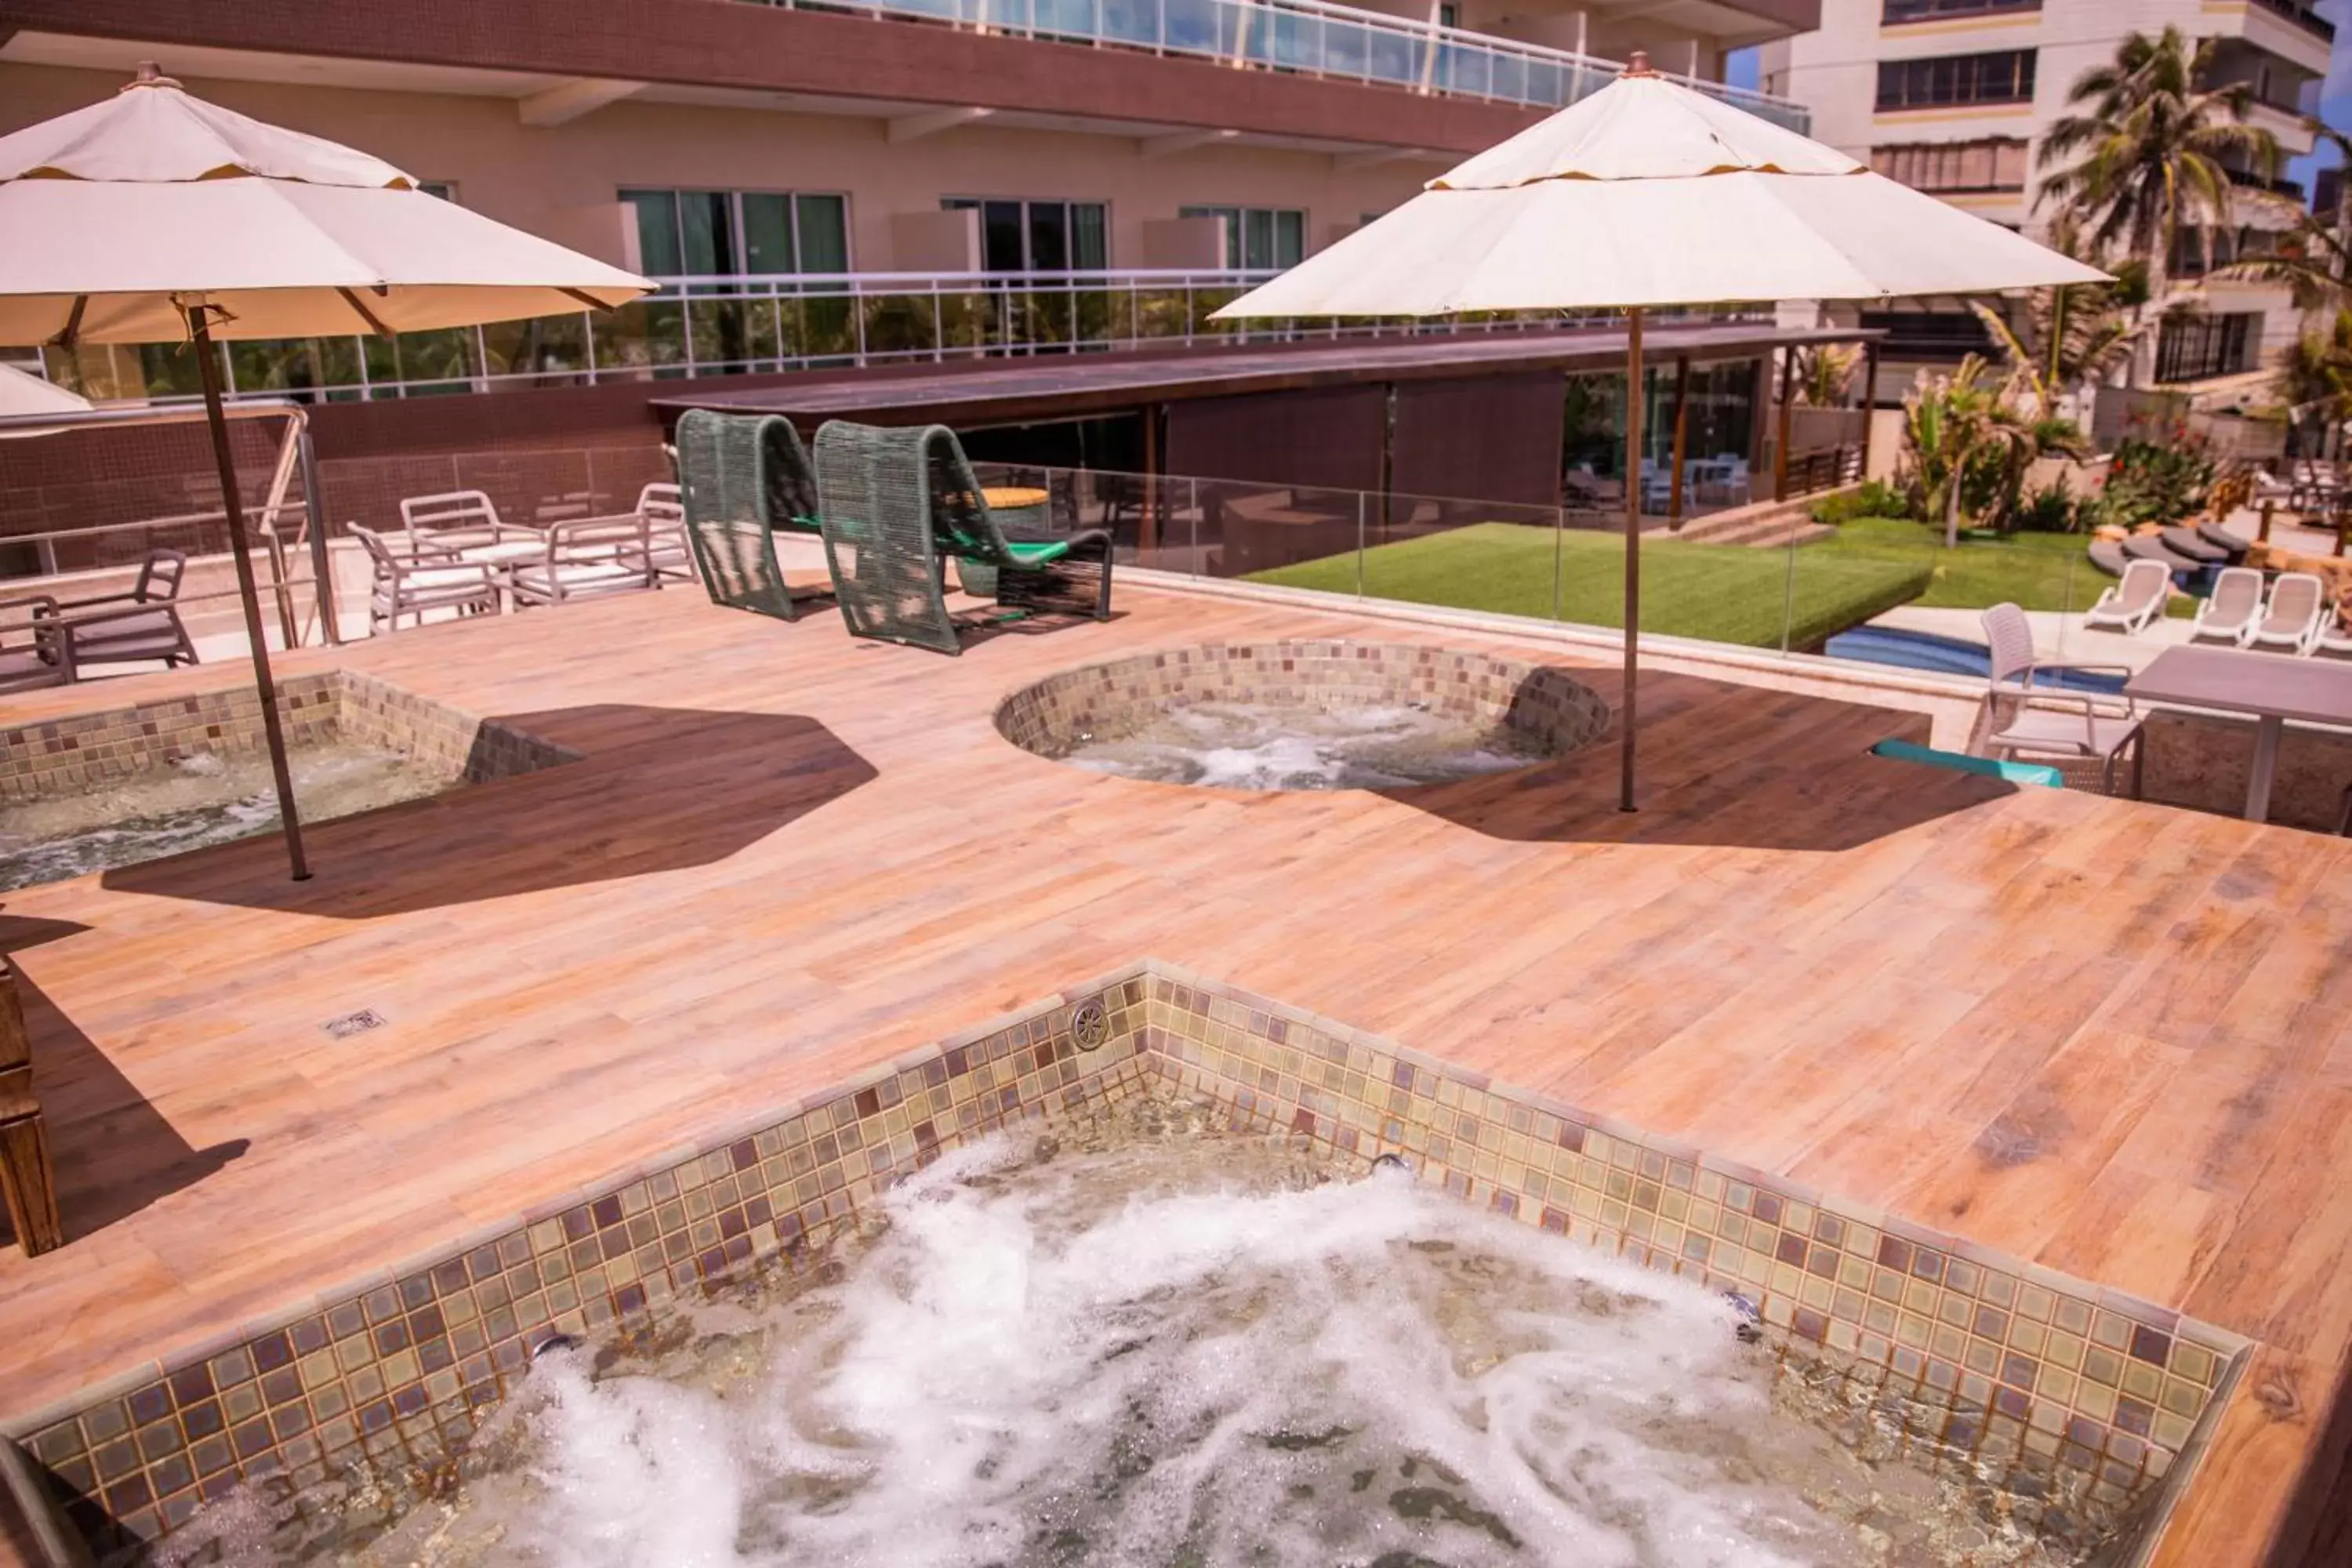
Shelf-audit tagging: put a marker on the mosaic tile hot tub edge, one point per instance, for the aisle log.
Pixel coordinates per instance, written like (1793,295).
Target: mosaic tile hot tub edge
(2028,1368)
(2034,1369)
(82,750)
(395,1368)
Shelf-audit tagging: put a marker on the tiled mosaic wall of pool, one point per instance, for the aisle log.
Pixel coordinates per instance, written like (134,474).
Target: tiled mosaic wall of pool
(2022,1369)
(89,751)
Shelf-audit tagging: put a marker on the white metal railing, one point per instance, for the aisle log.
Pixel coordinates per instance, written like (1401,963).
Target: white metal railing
(749,324)
(1313,38)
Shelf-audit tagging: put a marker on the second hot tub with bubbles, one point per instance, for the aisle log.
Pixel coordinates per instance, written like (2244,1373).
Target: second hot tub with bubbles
(1305,714)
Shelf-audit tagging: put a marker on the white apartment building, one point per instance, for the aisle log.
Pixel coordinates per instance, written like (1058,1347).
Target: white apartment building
(1953,96)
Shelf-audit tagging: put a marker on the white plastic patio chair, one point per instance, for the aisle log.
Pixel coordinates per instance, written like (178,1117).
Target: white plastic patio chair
(413,581)
(2131,606)
(586,559)
(663,509)
(34,649)
(2290,622)
(2334,641)
(2027,720)
(2228,615)
(460,520)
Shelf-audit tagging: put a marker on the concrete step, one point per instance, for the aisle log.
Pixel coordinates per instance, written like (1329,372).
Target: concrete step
(1762,523)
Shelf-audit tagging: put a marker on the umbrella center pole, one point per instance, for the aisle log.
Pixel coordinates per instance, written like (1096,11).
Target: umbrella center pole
(1632,552)
(248,590)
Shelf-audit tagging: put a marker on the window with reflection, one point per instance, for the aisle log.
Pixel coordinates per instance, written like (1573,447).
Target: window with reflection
(2003,76)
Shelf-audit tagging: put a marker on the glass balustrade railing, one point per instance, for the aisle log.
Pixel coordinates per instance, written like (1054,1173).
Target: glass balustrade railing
(738,325)
(1310,37)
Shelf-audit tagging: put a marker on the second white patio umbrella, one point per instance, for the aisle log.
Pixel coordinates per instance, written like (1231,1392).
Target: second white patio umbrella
(1647,194)
(155,217)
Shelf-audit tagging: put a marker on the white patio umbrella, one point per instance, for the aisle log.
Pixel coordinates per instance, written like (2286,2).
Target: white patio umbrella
(1648,194)
(155,217)
(21,393)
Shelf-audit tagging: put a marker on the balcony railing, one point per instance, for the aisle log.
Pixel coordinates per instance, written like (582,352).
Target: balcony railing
(2278,186)
(1311,37)
(2303,16)
(738,325)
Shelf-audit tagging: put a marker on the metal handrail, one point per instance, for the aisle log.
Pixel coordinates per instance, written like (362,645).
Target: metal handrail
(1315,37)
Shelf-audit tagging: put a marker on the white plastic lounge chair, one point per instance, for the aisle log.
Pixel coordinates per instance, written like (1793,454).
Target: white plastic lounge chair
(2229,614)
(2334,641)
(2291,620)
(2130,606)
(412,581)
(2027,720)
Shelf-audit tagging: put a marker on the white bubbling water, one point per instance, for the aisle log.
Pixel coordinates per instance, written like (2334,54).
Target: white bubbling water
(200,799)
(1253,745)
(1200,1353)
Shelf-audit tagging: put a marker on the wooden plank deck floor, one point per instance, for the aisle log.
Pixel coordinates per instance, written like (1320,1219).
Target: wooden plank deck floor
(2113,1038)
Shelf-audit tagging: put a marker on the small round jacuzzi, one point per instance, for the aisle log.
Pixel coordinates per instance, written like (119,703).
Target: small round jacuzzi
(1305,715)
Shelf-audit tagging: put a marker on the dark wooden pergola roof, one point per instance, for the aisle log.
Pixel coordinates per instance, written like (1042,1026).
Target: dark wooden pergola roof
(979,392)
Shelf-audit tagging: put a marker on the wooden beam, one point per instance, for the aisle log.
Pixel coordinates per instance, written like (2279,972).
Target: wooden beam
(1869,400)
(908,127)
(568,100)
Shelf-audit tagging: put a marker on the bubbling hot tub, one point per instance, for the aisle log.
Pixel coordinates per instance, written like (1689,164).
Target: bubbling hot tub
(1305,715)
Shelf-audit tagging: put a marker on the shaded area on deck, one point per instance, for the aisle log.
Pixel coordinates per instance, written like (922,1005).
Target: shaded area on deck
(2111,1038)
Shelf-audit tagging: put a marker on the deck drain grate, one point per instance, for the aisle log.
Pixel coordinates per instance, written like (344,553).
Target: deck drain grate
(350,1024)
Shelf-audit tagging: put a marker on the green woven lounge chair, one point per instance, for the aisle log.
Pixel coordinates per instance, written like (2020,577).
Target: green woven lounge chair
(897,503)
(743,477)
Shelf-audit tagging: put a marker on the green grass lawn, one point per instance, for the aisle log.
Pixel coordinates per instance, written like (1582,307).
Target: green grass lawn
(1723,593)
(2032,571)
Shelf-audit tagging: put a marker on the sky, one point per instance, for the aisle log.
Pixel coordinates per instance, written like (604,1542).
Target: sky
(2334,102)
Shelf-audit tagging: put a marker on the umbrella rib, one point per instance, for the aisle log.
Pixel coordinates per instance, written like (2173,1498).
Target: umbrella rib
(585,298)
(72,329)
(364,314)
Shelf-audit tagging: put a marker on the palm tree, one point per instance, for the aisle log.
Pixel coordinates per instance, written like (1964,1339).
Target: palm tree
(1954,428)
(2145,149)
(2315,379)
(1966,444)
(2070,334)
(2315,257)
(1824,372)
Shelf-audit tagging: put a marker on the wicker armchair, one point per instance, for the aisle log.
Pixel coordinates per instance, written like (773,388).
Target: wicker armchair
(742,477)
(897,503)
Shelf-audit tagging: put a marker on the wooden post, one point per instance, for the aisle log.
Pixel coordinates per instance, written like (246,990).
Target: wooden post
(2263,534)
(1780,441)
(1869,403)
(241,550)
(1682,405)
(28,1185)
